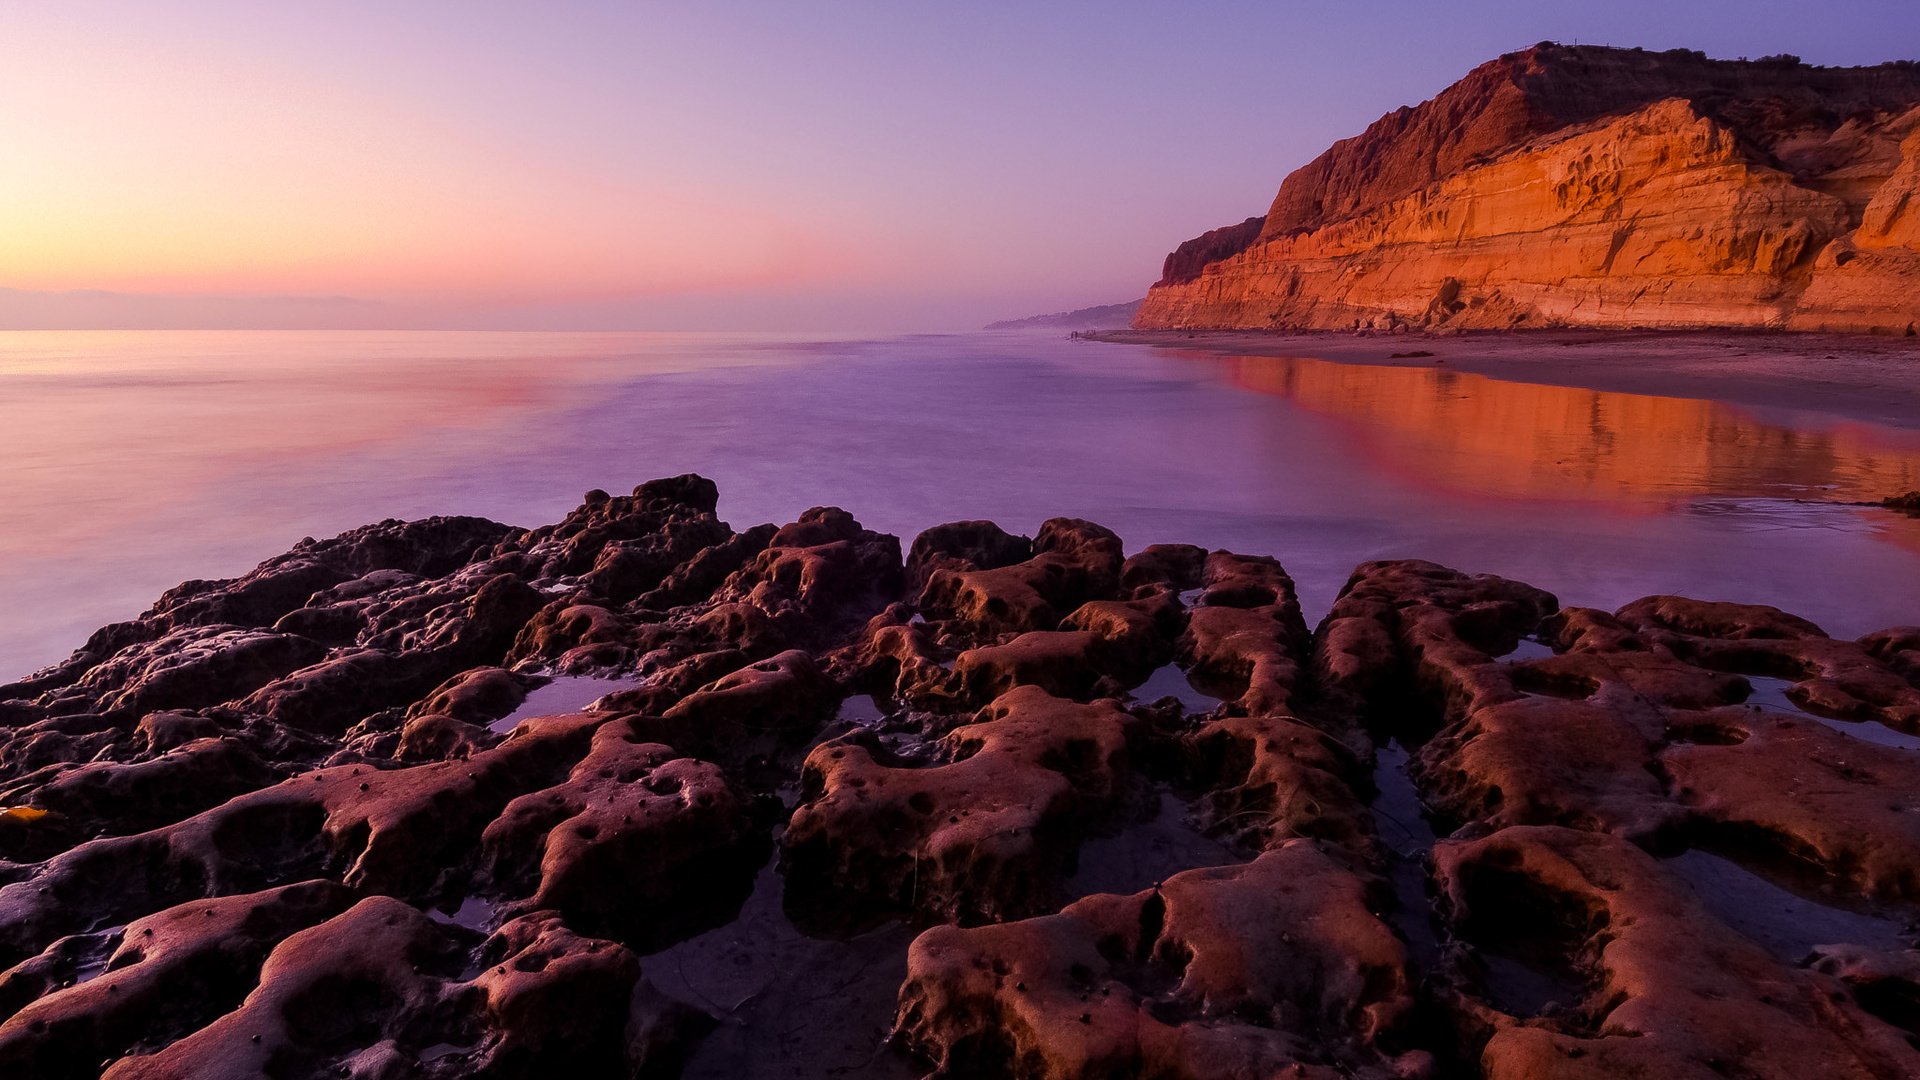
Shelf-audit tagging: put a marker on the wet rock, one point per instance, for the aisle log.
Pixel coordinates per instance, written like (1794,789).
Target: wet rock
(898,658)
(821,574)
(983,835)
(1898,648)
(195,666)
(435,737)
(1274,968)
(1074,561)
(1809,792)
(1246,634)
(1177,567)
(1546,761)
(637,844)
(1664,989)
(1102,644)
(1832,678)
(697,578)
(752,708)
(170,974)
(140,795)
(228,818)
(478,696)
(379,989)
(393,830)
(1269,779)
(960,546)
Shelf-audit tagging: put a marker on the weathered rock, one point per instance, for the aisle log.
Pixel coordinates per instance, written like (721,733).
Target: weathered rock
(1268,780)
(637,844)
(477,696)
(1589,186)
(962,546)
(170,974)
(1808,793)
(1274,968)
(1667,989)
(1247,635)
(379,990)
(821,574)
(1102,645)
(1073,562)
(221,825)
(1842,679)
(984,835)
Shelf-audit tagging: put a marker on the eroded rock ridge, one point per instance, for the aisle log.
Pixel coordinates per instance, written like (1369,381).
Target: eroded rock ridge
(640,794)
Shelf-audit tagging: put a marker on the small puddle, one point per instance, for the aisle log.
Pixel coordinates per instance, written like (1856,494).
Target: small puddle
(1172,682)
(861,709)
(1190,597)
(788,1005)
(1528,649)
(1527,989)
(93,952)
(1400,819)
(441,1051)
(1146,852)
(474,913)
(1771,693)
(1785,922)
(565,694)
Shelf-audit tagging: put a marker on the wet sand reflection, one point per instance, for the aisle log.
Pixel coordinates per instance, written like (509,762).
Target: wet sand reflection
(1476,435)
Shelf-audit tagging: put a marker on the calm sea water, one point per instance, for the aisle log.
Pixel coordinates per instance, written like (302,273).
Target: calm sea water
(129,462)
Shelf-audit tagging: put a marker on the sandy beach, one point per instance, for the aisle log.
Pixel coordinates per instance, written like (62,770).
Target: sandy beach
(1863,378)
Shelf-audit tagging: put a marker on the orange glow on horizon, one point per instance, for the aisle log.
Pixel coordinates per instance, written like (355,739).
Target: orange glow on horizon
(176,179)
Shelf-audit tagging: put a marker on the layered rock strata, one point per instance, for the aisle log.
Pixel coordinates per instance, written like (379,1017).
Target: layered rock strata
(1042,807)
(1590,187)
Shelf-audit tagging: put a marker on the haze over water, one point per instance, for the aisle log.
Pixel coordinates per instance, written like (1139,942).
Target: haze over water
(137,460)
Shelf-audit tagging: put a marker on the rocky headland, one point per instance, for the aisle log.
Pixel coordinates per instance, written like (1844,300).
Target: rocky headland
(1103,317)
(1590,187)
(641,794)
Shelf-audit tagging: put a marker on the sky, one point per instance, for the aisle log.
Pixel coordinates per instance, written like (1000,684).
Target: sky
(895,166)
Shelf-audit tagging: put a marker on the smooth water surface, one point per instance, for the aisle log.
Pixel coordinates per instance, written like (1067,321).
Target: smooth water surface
(132,461)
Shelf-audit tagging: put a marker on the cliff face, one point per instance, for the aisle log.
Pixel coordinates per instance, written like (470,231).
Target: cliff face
(1590,187)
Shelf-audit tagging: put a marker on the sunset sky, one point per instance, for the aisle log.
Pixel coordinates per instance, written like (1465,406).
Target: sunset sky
(781,166)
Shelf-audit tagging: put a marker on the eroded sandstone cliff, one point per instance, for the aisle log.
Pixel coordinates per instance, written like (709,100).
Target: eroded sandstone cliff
(1590,186)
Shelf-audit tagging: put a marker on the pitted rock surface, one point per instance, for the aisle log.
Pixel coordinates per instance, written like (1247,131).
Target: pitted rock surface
(308,823)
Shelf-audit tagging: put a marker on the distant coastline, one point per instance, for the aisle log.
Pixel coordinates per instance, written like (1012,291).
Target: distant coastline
(1104,317)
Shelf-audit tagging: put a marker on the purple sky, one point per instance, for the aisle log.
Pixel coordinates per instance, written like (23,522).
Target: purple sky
(851,166)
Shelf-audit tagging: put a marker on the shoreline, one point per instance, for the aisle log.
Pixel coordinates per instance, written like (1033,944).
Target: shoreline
(1858,377)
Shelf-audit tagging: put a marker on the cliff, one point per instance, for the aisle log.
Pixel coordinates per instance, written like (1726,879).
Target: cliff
(1588,186)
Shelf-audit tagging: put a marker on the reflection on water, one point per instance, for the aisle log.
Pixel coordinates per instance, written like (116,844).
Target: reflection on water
(129,462)
(563,695)
(1483,436)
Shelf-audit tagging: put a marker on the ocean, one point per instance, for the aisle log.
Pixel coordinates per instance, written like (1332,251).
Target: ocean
(132,461)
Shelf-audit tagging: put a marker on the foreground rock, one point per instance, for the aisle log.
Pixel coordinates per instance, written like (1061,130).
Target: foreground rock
(317,821)
(1590,186)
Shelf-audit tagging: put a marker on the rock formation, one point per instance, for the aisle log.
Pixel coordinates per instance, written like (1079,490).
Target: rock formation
(1009,806)
(1593,187)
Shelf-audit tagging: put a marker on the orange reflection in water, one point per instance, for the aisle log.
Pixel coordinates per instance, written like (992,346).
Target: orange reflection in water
(1482,436)
(101,431)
